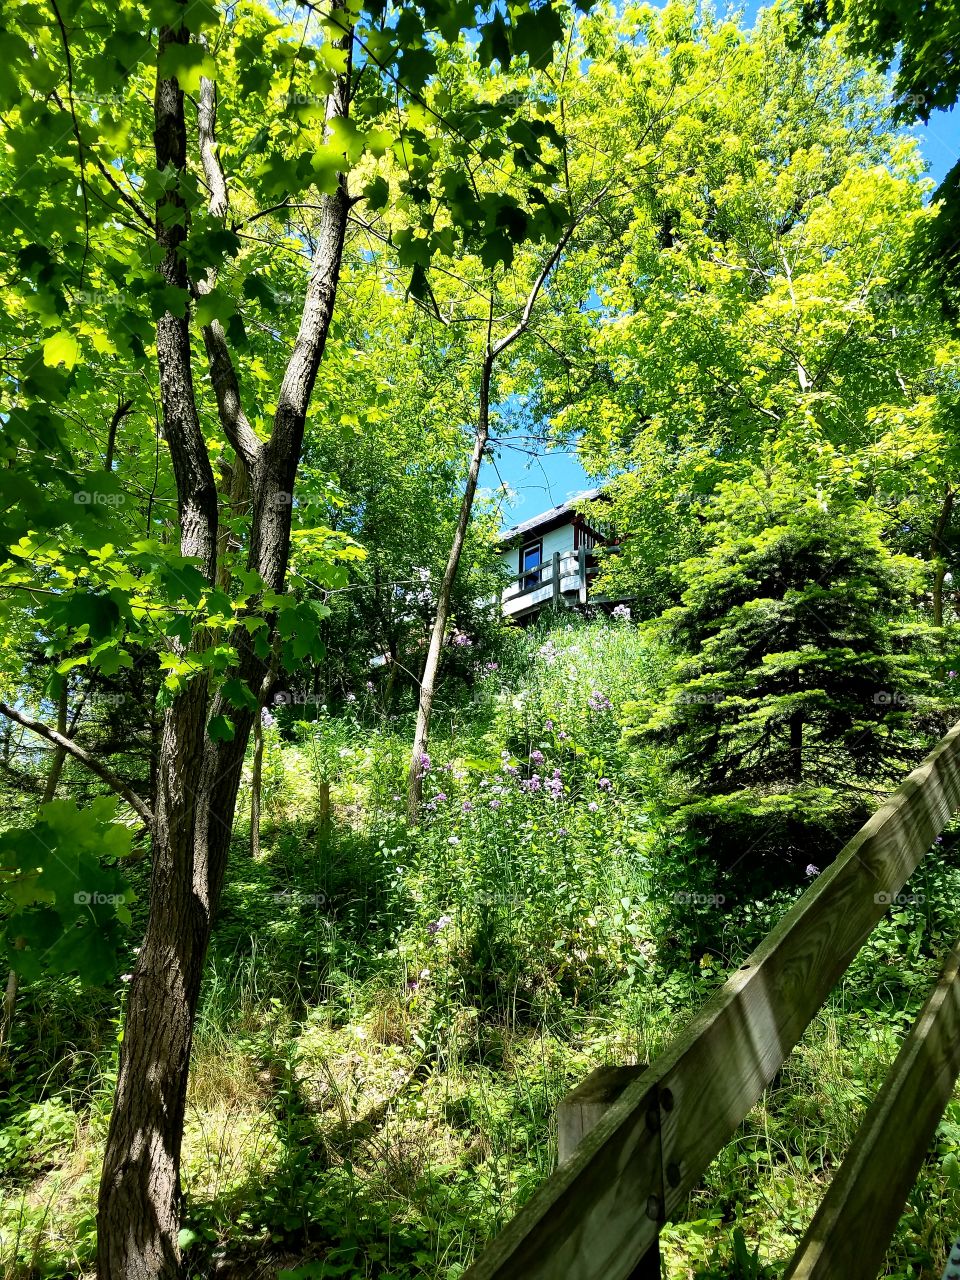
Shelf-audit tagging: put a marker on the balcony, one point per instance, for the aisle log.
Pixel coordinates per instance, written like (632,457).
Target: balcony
(564,578)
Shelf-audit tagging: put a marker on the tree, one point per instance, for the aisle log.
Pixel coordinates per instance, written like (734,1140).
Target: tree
(752,286)
(130,260)
(920,40)
(798,665)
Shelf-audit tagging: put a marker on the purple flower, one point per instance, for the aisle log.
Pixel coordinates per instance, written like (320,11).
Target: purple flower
(622,613)
(604,784)
(599,701)
(811,871)
(439,797)
(563,832)
(533,783)
(424,764)
(563,736)
(494,804)
(370,686)
(511,769)
(537,757)
(435,926)
(491,666)
(593,806)
(467,806)
(351,697)
(548,726)
(266,719)
(461,641)
(555,786)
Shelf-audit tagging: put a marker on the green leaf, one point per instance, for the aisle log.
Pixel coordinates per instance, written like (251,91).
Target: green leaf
(61,348)
(221,729)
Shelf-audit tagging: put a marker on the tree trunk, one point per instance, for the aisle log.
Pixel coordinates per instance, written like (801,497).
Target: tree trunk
(796,747)
(60,753)
(198,779)
(431,666)
(937,550)
(256,785)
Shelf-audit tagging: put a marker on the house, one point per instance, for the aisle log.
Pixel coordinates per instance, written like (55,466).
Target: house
(549,559)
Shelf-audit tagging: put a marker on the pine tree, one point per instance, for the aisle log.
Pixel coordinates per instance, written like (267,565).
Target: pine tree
(798,668)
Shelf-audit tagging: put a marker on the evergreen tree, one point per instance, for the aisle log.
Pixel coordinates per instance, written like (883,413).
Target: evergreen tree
(798,669)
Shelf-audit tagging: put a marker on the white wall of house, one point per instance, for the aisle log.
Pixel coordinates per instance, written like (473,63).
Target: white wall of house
(560,539)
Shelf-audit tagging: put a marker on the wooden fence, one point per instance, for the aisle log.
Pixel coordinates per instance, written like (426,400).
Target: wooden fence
(599,1216)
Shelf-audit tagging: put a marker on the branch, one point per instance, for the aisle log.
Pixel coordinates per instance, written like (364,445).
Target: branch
(524,321)
(102,771)
(223,374)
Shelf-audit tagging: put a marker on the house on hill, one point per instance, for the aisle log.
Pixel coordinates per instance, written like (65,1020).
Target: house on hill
(550,559)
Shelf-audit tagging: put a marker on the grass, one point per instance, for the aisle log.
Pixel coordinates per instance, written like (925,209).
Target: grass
(389,1018)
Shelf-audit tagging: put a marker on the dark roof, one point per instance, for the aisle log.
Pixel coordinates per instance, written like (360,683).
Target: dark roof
(547,519)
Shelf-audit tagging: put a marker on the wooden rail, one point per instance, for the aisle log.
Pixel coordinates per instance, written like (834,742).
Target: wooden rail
(598,1216)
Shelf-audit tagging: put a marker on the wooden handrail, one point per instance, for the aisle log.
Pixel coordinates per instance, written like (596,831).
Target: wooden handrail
(598,1215)
(852,1228)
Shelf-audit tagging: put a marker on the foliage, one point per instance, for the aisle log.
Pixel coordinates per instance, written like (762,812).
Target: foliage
(798,667)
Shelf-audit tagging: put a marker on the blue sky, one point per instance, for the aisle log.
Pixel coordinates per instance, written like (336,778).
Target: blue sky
(552,476)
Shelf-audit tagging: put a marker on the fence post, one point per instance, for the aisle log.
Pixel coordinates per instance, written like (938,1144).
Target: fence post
(582,570)
(556,578)
(582,1109)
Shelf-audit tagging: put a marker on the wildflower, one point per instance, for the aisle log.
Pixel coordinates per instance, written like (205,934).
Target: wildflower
(461,641)
(622,613)
(424,765)
(266,719)
(563,736)
(548,726)
(435,927)
(599,701)
(537,757)
(593,806)
(604,784)
(810,871)
(454,840)
(413,987)
(351,697)
(370,686)
(491,666)
(467,806)
(562,833)
(494,804)
(439,797)
(555,786)
(511,769)
(126,977)
(533,783)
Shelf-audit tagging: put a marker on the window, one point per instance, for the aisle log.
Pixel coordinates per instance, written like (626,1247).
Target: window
(531,558)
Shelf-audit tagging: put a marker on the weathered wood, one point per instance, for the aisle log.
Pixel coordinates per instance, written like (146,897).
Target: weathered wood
(587,1104)
(852,1228)
(599,1213)
(582,1110)
(582,570)
(556,577)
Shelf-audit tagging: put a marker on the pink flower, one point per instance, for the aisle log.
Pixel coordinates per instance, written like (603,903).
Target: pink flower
(593,806)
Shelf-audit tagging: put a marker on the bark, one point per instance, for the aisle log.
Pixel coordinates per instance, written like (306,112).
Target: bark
(432,664)
(60,752)
(197,779)
(256,787)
